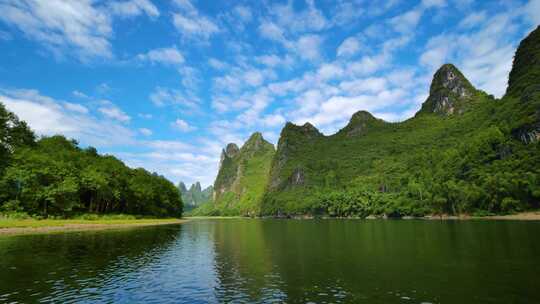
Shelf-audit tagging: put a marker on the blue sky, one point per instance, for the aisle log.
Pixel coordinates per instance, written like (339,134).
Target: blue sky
(166,84)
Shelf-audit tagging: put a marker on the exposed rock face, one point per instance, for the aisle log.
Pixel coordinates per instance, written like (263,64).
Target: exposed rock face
(297,178)
(229,152)
(359,124)
(233,165)
(449,92)
(292,139)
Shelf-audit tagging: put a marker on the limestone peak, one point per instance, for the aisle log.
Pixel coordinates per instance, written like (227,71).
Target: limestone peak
(448,92)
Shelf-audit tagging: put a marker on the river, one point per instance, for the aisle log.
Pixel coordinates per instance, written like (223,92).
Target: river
(274,261)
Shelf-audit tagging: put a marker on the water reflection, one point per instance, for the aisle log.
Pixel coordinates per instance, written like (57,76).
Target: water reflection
(274,261)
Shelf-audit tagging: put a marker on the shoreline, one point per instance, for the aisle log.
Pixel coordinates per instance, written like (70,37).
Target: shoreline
(80,226)
(522,216)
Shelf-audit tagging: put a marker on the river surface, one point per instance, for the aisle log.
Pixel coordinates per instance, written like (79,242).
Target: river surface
(275,261)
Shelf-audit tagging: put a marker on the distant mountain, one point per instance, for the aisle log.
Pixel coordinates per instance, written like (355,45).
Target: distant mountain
(463,152)
(195,196)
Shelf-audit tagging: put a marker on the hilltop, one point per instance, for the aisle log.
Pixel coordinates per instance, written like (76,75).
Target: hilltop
(463,152)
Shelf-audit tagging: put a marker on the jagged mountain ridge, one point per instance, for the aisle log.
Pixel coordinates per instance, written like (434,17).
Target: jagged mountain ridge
(242,176)
(461,136)
(195,195)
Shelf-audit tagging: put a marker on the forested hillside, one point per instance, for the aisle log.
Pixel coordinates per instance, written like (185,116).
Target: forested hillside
(242,178)
(54,176)
(463,152)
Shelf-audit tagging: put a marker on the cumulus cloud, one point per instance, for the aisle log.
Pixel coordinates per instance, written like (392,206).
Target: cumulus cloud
(162,97)
(348,47)
(132,8)
(80,26)
(48,116)
(113,112)
(306,20)
(191,24)
(308,47)
(170,55)
(484,55)
(145,131)
(183,125)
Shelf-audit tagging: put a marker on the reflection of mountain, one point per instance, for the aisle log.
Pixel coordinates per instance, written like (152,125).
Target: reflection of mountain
(244,268)
(370,261)
(71,265)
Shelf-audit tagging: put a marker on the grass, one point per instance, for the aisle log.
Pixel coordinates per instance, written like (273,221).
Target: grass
(7,222)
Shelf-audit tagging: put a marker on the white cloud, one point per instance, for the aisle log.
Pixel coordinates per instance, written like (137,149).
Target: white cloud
(113,112)
(77,26)
(273,120)
(483,55)
(272,31)
(191,24)
(253,77)
(145,131)
(182,125)
(79,94)
(169,55)
(75,107)
(217,64)
(433,3)
(275,60)
(329,71)
(145,115)
(132,8)
(407,21)
(169,97)
(194,26)
(531,9)
(473,20)
(308,47)
(347,12)
(47,116)
(308,20)
(348,47)
(190,78)
(369,85)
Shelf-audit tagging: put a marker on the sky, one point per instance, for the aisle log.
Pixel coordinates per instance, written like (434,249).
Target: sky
(166,84)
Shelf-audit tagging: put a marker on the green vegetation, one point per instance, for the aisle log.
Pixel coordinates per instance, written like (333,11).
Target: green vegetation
(53,176)
(36,223)
(464,152)
(195,196)
(241,180)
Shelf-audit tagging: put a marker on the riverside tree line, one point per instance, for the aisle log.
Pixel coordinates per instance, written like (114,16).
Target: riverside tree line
(54,176)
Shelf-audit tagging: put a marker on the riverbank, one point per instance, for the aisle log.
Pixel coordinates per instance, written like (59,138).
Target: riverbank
(33,226)
(523,216)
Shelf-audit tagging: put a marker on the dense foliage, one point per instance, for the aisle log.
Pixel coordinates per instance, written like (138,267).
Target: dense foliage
(483,158)
(53,176)
(242,180)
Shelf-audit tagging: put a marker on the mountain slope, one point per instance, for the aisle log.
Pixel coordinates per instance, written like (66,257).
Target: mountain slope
(464,151)
(195,196)
(242,178)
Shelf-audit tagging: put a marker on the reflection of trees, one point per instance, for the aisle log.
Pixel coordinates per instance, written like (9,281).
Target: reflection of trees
(373,261)
(244,268)
(69,262)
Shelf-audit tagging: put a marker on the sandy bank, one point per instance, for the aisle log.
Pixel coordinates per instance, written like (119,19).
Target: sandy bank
(80,226)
